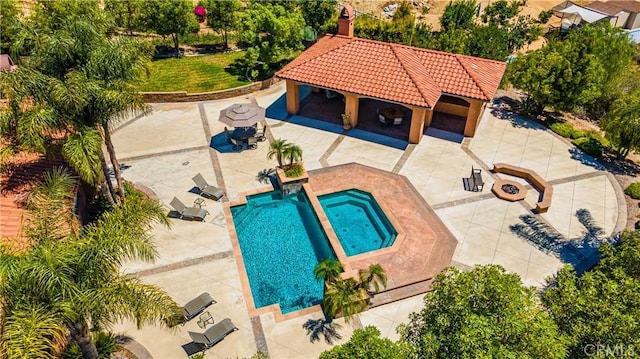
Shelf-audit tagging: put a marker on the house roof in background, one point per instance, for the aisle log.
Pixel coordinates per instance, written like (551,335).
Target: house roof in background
(633,6)
(394,72)
(610,8)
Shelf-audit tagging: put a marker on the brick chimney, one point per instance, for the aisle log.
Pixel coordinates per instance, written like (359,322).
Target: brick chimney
(345,21)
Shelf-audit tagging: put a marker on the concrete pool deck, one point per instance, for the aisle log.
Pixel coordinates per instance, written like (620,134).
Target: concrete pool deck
(167,147)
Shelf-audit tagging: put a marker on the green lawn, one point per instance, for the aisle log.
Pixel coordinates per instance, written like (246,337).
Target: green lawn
(193,74)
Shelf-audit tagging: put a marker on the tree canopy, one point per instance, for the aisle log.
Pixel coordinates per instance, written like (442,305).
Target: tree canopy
(486,313)
(222,16)
(602,306)
(126,14)
(69,282)
(577,71)
(9,23)
(622,123)
(458,15)
(170,17)
(317,13)
(272,34)
(366,344)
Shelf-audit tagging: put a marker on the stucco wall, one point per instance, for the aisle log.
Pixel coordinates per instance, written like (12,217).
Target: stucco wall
(451,109)
(155,97)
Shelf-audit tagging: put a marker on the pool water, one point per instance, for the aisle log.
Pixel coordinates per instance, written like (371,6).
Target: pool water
(281,241)
(358,221)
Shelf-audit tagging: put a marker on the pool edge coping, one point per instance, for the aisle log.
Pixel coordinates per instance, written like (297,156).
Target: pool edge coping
(244,278)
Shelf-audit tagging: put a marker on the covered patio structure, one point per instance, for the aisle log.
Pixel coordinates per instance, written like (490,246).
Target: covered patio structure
(424,82)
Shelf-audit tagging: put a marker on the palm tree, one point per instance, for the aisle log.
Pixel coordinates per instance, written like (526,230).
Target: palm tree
(76,84)
(277,149)
(73,285)
(328,270)
(374,275)
(344,296)
(293,153)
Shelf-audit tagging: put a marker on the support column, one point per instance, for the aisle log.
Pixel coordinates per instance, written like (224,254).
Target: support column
(428,117)
(293,97)
(351,107)
(473,117)
(417,124)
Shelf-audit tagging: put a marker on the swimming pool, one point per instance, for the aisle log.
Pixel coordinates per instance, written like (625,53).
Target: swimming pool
(281,241)
(358,221)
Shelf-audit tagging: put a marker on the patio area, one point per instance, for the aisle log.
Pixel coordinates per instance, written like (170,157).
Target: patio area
(196,257)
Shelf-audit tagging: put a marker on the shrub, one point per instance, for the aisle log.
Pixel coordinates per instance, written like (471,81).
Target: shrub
(294,170)
(589,145)
(598,136)
(633,190)
(579,134)
(564,129)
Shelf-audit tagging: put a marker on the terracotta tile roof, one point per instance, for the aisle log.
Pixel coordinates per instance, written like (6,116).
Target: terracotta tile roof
(609,8)
(393,72)
(633,6)
(16,181)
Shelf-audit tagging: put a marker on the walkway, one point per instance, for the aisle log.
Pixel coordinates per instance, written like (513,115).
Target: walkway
(167,147)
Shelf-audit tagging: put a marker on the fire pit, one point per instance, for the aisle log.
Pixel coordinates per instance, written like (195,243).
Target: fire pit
(509,190)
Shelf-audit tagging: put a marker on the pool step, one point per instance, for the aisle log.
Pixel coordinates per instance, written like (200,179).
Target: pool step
(241,215)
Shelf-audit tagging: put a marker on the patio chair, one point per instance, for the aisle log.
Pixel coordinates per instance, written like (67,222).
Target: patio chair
(196,306)
(189,213)
(227,133)
(207,190)
(236,144)
(260,134)
(213,335)
(252,143)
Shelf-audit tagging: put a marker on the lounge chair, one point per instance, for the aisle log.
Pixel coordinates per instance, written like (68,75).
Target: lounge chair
(213,335)
(207,190)
(189,213)
(197,306)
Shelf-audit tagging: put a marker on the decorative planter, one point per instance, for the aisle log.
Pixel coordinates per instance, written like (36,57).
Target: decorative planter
(290,185)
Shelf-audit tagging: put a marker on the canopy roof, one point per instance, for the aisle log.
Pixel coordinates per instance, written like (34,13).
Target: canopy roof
(584,14)
(393,72)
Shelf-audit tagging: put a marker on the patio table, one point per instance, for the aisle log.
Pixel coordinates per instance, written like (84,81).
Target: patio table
(243,132)
(391,113)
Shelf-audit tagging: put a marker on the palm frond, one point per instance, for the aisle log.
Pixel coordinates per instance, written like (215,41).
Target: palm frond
(120,235)
(32,332)
(50,206)
(129,298)
(34,126)
(82,151)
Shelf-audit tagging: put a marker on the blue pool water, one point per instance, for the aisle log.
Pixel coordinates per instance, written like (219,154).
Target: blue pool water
(281,241)
(358,221)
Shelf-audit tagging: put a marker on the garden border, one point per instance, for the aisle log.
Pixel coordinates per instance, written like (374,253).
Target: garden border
(183,96)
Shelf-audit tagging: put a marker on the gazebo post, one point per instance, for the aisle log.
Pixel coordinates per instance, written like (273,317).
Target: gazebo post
(293,97)
(473,117)
(351,105)
(417,124)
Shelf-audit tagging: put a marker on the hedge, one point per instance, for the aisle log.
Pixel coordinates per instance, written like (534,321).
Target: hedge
(633,190)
